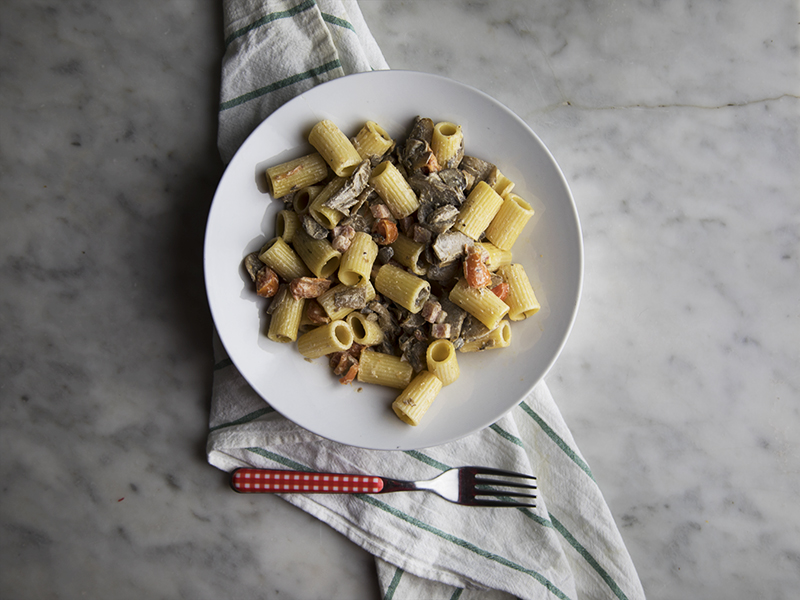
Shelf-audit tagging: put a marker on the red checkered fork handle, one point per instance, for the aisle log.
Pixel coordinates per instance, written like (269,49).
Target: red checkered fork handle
(471,486)
(268,481)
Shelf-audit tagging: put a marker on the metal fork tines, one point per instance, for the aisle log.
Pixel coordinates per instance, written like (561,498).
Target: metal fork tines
(478,485)
(475,486)
(471,486)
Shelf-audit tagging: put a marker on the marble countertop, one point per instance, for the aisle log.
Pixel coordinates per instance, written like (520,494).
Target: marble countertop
(676,125)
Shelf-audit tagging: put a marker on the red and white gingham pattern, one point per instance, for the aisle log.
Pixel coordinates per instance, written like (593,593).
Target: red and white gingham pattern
(265,480)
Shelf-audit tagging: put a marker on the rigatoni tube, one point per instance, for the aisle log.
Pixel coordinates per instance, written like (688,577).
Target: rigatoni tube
(447,144)
(521,299)
(372,140)
(365,331)
(481,303)
(295,174)
(336,310)
(304,197)
(502,184)
(408,290)
(334,147)
(409,254)
(509,222)
(497,256)
(499,337)
(318,255)
(384,369)
(415,400)
(442,362)
(357,260)
(285,319)
(280,257)
(478,211)
(286,223)
(394,190)
(324,215)
(336,336)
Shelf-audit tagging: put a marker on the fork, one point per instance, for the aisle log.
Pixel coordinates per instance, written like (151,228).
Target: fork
(471,486)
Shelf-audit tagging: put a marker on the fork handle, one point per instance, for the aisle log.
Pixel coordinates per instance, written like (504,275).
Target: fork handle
(271,481)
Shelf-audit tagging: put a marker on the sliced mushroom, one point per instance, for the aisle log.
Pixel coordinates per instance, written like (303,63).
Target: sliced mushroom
(252,264)
(348,195)
(451,246)
(313,228)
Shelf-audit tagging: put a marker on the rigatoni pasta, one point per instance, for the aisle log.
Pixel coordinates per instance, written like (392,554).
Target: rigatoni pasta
(372,140)
(521,299)
(336,336)
(502,184)
(324,215)
(286,223)
(478,211)
(356,263)
(409,254)
(395,191)
(332,301)
(318,255)
(303,198)
(481,303)
(496,256)
(384,369)
(280,257)
(499,337)
(509,221)
(295,174)
(365,331)
(417,397)
(447,143)
(442,362)
(374,260)
(285,321)
(334,147)
(406,289)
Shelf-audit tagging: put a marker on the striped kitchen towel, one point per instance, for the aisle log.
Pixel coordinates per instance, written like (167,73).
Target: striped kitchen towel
(277,50)
(566,547)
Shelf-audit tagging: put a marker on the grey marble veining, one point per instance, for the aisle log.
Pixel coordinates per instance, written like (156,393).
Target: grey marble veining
(676,125)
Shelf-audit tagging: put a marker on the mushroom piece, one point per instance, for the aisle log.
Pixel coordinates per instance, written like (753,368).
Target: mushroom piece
(477,169)
(253,264)
(416,155)
(348,194)
(313,228)
(451,246)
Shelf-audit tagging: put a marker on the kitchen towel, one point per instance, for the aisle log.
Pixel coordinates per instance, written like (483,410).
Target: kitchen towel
(425,547)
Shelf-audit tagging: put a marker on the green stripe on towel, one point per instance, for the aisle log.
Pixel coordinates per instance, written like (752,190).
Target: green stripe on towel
(245,419)
(588,558)
(333,20)
(329,66)
(269,18)
(557,439)
(431,462)
(393,585)
(286,462)
(507,436)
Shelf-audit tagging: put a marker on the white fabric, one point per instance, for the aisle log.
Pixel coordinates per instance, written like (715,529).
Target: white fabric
(425,547)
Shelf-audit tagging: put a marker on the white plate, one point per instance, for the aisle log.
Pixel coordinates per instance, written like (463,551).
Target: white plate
(242,217)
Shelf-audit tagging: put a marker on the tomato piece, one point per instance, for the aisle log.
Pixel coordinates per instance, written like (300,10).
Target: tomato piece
(476,272)
(385,231)
(266,283)
(501,290)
